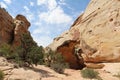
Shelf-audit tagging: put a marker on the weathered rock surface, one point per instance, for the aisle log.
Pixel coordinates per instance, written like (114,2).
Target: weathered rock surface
(66,43)
(21,29)
(67,49)
(12,31)
(98,33)
(6,27)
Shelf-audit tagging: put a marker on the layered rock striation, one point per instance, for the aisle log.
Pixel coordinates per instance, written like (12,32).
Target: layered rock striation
(97,32)
(6,27)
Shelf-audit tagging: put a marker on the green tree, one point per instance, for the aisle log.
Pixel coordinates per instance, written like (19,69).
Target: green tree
(30,53)
(26,54)
(35,55)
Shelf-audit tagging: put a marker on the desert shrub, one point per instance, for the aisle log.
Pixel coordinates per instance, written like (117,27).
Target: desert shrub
(23,56)
(1,75)
(27,58)
(5,50)
(55,61)
(18,56)
(59,67)
(35,56)
(29,52)
(10,54)
(89,73)
(117,75)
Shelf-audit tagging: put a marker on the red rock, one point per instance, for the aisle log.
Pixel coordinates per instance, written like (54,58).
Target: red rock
(12,30)
(67,49)
(6,27)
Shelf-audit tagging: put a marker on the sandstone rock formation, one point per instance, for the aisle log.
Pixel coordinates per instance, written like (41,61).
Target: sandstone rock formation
(98,33)
(6,27)
(67,49)
(21,28)
(12,31)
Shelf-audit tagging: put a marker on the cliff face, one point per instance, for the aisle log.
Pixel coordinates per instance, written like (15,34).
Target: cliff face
(100,31)
(6,27)
(13,31)
(97,31)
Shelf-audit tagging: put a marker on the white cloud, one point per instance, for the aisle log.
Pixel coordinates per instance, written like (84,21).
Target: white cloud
(52,4)
(62,2)
(26,8)
(28,13)
(30,16)
(38,30)
(56,16)
(31,3)
(40,2)
(42,40)
(37,23)
(3,5)
(8,1)
(48,22)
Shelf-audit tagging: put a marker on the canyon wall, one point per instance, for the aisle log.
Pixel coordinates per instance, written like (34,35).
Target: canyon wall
(97,33)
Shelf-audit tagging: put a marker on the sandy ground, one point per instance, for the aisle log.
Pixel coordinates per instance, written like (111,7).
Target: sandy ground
(42,72)
(76,75)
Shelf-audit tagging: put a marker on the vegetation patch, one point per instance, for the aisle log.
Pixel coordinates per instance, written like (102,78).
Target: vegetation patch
(118,76)
(1,75)
(55,61)
(90,73)
(27,54)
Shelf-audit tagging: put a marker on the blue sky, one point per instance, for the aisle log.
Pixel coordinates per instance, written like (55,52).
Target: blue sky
(48,18)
